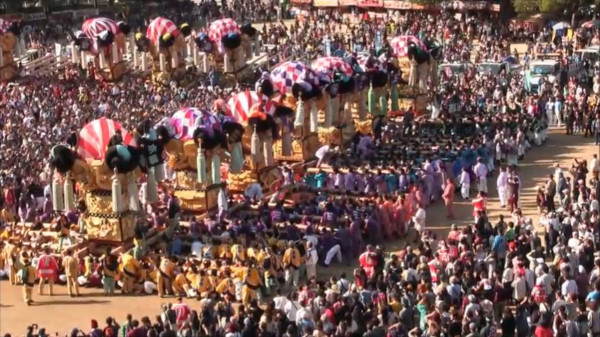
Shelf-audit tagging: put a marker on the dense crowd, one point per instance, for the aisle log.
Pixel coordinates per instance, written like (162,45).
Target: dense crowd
(254,269)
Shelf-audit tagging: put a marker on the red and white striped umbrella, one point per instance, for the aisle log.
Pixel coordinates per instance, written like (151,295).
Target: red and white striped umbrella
(93,27)
(400,44)
(220,28)
(239,105)
(326,66)
(290,72)
(369,62)
(186,120)
(160,26)
(94,138)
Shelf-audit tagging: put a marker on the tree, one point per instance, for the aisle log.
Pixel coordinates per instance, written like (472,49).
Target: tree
(526,6)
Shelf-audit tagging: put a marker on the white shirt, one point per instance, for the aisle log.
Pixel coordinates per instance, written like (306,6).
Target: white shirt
(322,152)
(280,302)
(464,178)
(502,180)
(480,170)
(290,310)
(420,217)
(568,287)
(311,257)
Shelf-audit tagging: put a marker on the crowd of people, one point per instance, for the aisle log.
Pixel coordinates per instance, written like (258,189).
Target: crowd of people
(256,270)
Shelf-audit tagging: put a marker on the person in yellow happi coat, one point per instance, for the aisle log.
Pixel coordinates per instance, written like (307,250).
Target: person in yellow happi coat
(224,251)
(28,279)
(291,262)
(180,285)
(238,253)
(205,286)
(10,256)
(129,269)
(138,285)
(166,270)
(227,286)
(252,283)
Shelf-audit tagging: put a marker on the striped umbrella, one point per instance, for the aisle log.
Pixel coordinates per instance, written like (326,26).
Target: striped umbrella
(93,27)
(328,65)
(94,138)
(187,119)
(160,26)
(220,28)
(286,74)
(238,106)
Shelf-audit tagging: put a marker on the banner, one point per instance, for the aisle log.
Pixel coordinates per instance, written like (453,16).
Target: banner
(369,3)
(347,2)
(397,4)
(302,2)
(325,3)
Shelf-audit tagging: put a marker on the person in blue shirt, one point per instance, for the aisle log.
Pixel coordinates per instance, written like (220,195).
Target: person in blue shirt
(321,179)
(500,246)
(391,180)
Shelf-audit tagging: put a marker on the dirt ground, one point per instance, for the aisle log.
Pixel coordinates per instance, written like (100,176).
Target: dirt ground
(60,313)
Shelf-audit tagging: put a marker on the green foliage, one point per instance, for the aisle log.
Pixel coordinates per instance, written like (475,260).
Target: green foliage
(526,6)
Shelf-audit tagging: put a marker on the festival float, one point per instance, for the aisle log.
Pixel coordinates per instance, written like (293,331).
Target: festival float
(104,170)
(229,46)
(10,31)
(419,59)
(103,42)
(263,122)
(299,89)
(336,77)
(371,92)
(166,45)
(194,144)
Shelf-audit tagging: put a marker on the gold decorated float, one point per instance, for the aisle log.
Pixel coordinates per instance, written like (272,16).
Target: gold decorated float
(9,40)
(194,152)
(105,172)
(102,42)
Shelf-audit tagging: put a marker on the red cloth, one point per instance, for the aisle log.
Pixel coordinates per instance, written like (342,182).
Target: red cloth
(47,267)
(368,262)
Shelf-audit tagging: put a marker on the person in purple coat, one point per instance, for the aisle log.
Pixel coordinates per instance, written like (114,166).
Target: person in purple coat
(356,235)
(345,238)
(374,229)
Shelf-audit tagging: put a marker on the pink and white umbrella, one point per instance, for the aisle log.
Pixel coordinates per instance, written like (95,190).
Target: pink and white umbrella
(286,74)
(220,28)
(400,44)
(93,27)
(160,26)
(239,105)
(186,120)
(326,66)
(95,136)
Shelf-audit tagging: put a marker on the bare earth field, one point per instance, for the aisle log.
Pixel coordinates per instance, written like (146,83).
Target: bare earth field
(60,313)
